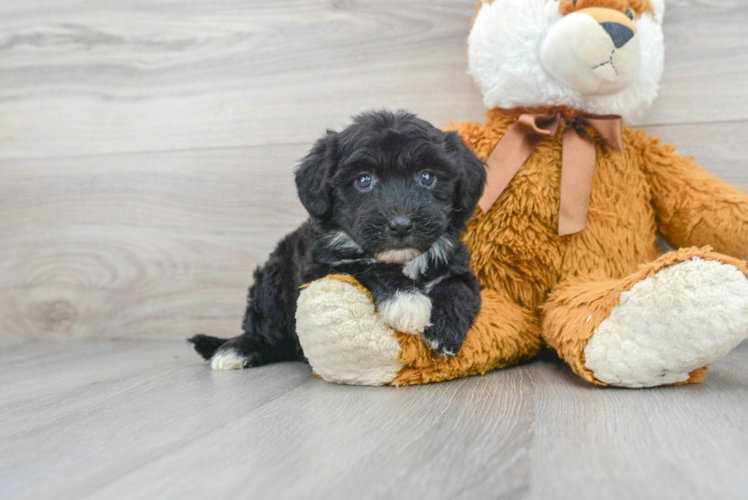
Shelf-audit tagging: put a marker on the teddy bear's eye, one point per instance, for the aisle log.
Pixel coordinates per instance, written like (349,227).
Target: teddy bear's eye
(364,182)
(630,14)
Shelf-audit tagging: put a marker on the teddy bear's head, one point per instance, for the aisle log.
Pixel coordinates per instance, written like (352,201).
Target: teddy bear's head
(597,56)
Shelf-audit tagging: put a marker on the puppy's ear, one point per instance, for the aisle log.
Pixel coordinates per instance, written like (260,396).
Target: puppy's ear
(313,176)
(472,177)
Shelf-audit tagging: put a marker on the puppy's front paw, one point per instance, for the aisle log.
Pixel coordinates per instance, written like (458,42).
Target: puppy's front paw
(442,343)
(228,359)
(408,312)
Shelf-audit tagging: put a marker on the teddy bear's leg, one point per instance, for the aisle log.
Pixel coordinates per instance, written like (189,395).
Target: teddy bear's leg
(503,334)
(346,341)
(664,324)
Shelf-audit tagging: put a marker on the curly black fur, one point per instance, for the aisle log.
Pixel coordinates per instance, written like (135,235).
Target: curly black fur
(350,231)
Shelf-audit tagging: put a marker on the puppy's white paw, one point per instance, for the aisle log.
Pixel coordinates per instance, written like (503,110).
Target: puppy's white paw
(408,312)
(228,359)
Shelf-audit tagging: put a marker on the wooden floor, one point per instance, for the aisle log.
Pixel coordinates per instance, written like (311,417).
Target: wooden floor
(147,419)
(146,151)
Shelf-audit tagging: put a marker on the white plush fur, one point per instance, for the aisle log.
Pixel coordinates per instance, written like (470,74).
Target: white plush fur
(504,49)
(683,318)
(342,336)
(227,360)
(408,312)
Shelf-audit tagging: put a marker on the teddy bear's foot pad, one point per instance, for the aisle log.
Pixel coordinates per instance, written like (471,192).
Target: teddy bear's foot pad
(343,338)
(666,326)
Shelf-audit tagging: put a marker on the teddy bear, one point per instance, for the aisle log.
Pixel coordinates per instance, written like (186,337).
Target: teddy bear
(565,239)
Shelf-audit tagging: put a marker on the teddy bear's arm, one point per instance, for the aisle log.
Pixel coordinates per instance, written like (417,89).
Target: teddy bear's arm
(692,207)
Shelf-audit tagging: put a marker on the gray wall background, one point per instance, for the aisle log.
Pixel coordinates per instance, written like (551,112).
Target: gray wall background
(146,147)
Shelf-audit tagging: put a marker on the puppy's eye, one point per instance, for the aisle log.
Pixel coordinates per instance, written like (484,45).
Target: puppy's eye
(364,182)
(630,14)
(427,179)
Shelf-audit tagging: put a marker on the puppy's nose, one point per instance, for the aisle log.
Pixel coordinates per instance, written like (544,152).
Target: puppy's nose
(399,226)
(619,33)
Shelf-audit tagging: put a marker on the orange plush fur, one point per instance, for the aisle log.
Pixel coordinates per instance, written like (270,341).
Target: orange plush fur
(536,281)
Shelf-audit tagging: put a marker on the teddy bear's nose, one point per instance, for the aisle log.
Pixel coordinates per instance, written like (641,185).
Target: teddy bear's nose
(619,33)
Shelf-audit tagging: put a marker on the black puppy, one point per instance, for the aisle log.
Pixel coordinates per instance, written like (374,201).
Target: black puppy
(388,198)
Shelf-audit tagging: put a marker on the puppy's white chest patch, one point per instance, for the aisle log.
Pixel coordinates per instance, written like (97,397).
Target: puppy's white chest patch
(408,312)
(439,253)
(414,268)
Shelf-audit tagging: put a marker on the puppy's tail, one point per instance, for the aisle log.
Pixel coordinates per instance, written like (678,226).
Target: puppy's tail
(205,345)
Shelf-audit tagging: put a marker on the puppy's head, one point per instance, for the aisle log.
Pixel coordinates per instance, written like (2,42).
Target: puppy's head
(393,183)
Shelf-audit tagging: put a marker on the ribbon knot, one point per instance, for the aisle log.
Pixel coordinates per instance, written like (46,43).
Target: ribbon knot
(577,166)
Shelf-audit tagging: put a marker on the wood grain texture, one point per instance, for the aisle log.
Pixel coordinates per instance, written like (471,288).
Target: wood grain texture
(150,245)
(146,419)
(150,76)
(84,78)
(146,148)
(706,63)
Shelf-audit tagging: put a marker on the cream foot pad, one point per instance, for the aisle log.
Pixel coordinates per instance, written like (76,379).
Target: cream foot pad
(685,317)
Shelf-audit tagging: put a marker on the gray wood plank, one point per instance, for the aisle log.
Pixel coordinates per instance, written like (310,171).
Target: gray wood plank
(84,78)
(142,76)
(149,245)
(664,443)
(706,64)
(171,428)
(114,393)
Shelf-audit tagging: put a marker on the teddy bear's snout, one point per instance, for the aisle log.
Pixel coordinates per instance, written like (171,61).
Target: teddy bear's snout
(595,51)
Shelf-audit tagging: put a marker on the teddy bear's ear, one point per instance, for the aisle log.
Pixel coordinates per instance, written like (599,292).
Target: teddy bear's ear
(313,176)
(472,178)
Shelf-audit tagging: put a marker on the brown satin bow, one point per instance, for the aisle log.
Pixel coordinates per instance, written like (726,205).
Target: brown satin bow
(577,167)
